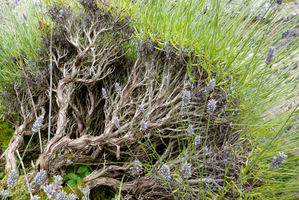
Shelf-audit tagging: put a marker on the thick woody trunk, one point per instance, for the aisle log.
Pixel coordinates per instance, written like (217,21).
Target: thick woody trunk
(64,92)
(60,140)
(16,141)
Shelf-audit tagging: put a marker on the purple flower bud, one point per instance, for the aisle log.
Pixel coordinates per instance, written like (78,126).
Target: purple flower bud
(270,55)
(25,17)
(288,33)
(278,160)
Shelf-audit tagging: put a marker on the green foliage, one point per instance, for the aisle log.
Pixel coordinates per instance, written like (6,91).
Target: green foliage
(73,178)
(237,46)
(2,175)
(20,40)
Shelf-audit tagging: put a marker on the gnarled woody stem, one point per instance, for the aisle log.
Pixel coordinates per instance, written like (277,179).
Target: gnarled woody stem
(16,141)
(64,91)
(18,138)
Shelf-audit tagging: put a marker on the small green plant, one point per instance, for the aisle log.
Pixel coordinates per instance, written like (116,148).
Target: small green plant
(74,178)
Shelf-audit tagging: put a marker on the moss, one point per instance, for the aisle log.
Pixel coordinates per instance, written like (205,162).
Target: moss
(19,191)
(6,132)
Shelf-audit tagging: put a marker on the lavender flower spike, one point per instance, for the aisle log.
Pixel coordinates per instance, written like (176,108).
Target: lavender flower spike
(35,197)
(25,17)
(197,140)
(116,122)
(61,195)
(72,197)
(128,197)
(279,2)
(49,190)
(288,33)
(186,97)
(270,55)
(278,160)
(37,124)
(117,88)
(165,81)
(12,178)
(53,189)
(190,130)
(165,172)
(40,176)
(141,108)
(211,106)
(136,170)
(57,182)
(210,86)
(104,93)
(186,170)
(143,125)
(4,193)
